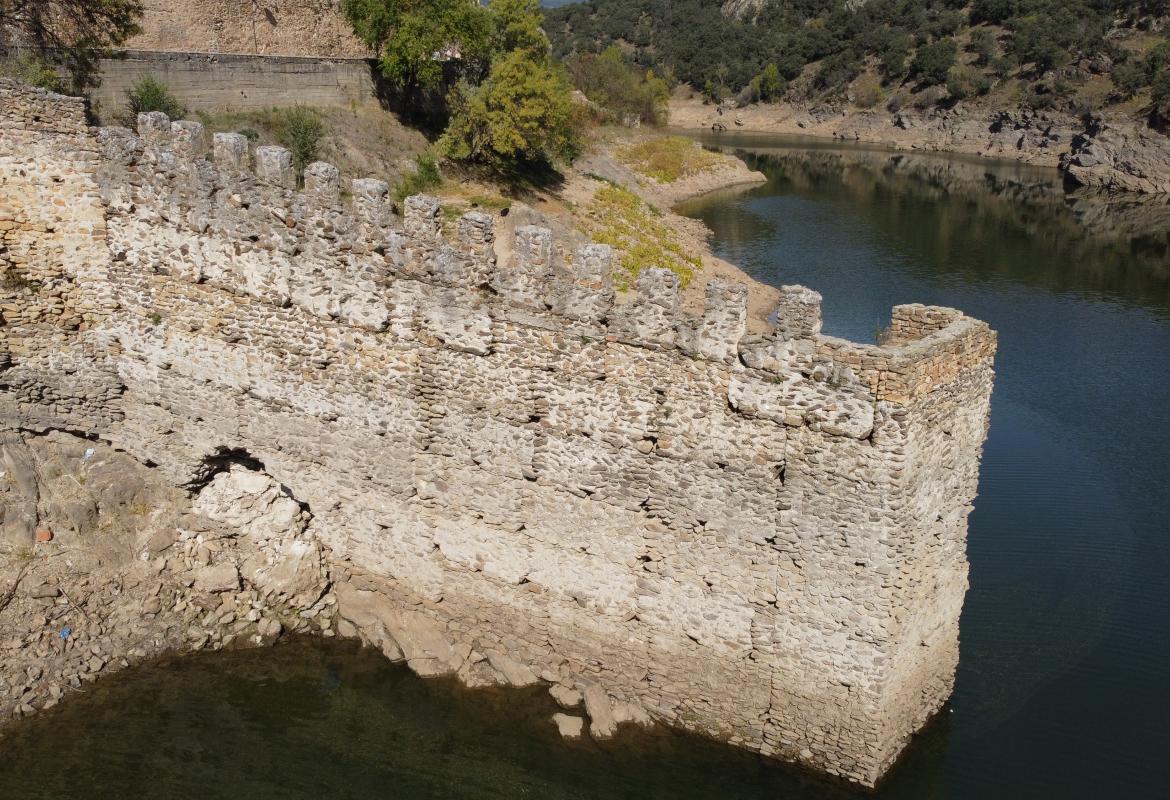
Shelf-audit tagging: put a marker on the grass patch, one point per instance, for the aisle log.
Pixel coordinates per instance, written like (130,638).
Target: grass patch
(669,158)
(489,202)
(425,177)
(634,229)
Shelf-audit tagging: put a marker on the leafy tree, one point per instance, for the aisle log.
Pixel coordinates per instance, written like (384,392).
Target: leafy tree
(619,87)
(485,71)
(964,83)
(770,86)
(983,46)
(71,33)
(516,26)
(521,115)
(424,44)
(151,94)
(893,56)
(933,62)
(994,11)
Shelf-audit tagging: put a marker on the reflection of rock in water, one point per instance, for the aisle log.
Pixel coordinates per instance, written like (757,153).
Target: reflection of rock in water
(1102,239)
(1143,220)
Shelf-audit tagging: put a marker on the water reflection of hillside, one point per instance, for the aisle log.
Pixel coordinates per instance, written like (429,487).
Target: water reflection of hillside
(1018,218)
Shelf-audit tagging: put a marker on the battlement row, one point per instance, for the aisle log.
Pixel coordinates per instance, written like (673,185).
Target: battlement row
(576,286)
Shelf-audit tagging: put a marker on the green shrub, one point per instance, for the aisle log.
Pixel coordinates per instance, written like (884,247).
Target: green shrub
(983,46)
(251,134)
(424,178)
(964,83)
(769,85)
(933,62)
(619,87)
(838,70)
(300,129)
(151,94)
(892,58)
(868,93)
(33,71)
(1160,92)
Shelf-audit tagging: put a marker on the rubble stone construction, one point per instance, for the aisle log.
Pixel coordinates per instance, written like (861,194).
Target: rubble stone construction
(757,537)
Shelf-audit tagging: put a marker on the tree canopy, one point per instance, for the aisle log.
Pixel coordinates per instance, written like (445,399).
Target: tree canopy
(901,39)
(486,73)
(71,33)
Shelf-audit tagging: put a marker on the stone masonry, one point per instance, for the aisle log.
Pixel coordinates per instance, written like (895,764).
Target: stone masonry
(757,537)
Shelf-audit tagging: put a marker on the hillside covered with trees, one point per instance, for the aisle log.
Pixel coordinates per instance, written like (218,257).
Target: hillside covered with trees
(1073,55)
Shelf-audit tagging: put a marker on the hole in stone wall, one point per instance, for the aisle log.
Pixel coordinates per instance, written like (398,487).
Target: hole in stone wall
(223,459)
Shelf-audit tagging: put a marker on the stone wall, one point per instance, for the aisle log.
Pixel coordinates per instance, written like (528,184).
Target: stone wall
(218,82)
(525,476)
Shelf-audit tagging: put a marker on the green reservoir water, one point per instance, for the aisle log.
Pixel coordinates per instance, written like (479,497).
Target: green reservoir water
(1064,685)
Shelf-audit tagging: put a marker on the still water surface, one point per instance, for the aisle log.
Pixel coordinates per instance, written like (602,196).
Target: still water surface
(1064,683)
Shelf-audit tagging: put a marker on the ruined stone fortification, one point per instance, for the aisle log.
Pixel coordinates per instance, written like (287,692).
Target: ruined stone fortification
(518,475)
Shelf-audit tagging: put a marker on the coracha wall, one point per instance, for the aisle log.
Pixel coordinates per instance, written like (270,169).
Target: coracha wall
(757,537)
(219,82)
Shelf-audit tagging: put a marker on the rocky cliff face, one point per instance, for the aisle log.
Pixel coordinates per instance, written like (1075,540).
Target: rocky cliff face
(743,9)
(503,472)
(1116,158)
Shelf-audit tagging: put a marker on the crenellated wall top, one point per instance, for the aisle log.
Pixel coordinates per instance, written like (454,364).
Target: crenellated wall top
(220,185)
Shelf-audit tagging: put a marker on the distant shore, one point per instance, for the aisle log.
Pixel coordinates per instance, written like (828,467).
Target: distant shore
(1117,154)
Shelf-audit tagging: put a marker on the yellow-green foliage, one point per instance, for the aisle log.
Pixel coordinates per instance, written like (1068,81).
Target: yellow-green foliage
(668,158)
(621,219)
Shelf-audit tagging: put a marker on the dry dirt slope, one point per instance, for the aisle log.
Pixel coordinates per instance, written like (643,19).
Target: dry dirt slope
(268,27)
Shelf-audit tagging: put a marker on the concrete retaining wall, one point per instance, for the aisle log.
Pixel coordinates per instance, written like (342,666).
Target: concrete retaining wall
(223,82)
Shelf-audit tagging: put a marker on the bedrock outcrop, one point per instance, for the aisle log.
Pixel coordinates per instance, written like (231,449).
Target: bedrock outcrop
(1119,159)
(505,472)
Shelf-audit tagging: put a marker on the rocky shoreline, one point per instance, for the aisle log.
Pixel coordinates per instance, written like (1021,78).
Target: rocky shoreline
(1114,153)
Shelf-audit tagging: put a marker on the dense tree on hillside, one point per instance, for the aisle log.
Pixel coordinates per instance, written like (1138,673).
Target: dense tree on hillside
(934,61)
(619,87)
(993,39)
(71,33)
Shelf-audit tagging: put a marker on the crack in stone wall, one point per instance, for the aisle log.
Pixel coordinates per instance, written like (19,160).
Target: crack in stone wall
(759,537)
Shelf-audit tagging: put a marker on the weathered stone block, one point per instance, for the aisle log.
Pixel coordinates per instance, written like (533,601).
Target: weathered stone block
(274,165)
(230,151)
(154,127)
(188,138)
(323,181)
(799,313)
